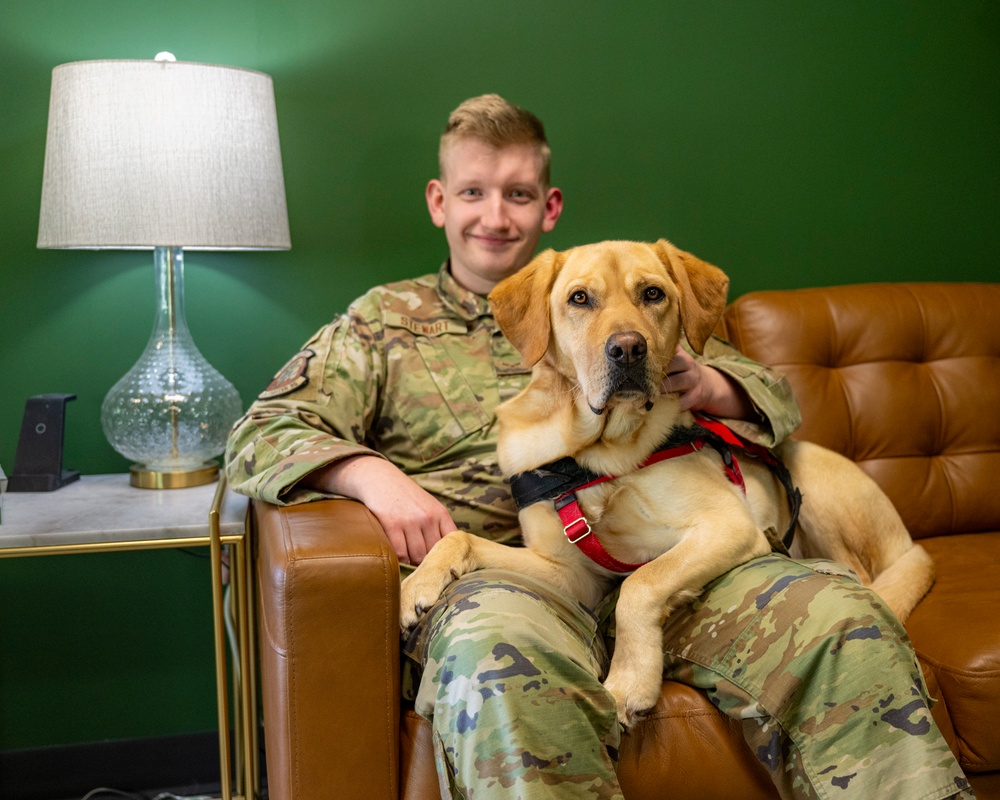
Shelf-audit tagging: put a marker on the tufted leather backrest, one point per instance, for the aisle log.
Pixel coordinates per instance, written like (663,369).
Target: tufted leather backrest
(902,378)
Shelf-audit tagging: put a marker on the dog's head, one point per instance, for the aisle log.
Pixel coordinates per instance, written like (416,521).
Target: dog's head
(609,316)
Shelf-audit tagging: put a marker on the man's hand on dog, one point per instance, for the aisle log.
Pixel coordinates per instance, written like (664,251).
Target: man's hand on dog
(703,388)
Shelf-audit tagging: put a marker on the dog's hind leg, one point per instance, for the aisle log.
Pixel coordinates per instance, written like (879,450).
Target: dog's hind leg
(846,517)
(905,581)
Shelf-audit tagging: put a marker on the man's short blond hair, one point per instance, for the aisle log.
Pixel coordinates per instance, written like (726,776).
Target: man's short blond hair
(497,123)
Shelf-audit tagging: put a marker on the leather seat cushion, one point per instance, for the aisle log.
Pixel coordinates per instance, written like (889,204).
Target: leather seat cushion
(956,634)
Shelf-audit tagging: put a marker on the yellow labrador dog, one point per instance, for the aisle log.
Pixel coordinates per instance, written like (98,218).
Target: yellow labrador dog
(600,324)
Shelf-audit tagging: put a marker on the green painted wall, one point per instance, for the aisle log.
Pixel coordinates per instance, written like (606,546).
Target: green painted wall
(792,143)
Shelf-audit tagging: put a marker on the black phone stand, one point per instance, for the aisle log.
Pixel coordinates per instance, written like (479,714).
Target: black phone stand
(38,460)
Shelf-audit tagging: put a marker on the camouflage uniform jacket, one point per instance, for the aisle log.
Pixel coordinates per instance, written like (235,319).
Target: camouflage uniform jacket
(413,372)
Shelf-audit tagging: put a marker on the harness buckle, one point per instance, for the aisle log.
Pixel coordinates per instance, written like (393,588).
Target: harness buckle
(583,535)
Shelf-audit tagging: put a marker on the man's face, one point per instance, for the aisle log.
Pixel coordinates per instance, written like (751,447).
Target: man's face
(493,207)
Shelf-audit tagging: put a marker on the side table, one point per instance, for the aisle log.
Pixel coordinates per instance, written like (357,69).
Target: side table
(103,513)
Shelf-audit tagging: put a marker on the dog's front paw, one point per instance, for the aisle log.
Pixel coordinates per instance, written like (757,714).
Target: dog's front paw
(447,561)
(635,691)
(418,592)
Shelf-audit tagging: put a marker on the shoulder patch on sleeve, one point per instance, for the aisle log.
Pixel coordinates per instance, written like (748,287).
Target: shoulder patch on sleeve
(290,377)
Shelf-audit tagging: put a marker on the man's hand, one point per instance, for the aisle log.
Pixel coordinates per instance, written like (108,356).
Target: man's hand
(412,518)
(703,388)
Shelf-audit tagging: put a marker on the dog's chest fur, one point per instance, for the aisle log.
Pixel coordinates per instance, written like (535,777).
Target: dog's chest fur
(641,515)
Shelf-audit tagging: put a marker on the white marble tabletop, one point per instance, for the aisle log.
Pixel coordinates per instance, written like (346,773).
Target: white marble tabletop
(104,509)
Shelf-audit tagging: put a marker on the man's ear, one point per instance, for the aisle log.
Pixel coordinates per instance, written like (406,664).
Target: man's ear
(703,292)
(435,201)
(553,208)
(521,305)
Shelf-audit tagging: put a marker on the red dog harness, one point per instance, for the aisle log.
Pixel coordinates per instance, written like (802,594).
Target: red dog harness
(530,487)
(575,524)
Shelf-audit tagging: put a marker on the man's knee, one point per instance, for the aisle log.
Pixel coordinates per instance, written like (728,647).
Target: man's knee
(827,601)
(773,611)
(495,625)
(501,649)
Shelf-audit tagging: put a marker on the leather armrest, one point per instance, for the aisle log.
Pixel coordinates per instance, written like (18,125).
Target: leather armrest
(328,595)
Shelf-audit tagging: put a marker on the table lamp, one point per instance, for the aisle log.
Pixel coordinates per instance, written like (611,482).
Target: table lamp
(164,155)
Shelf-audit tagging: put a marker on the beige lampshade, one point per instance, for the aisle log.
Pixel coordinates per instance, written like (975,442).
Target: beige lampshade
(143,154)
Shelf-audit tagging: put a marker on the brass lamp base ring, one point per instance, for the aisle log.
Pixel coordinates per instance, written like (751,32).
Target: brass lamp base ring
(144,478)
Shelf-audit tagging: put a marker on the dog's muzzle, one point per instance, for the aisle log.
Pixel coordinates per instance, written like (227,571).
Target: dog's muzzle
(625,354)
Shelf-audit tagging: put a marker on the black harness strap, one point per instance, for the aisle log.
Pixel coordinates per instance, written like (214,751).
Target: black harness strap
(548,482)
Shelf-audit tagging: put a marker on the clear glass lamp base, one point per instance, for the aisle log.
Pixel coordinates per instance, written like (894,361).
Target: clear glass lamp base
(171,413)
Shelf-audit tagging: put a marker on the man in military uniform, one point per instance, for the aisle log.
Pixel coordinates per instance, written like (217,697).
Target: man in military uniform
(394,403)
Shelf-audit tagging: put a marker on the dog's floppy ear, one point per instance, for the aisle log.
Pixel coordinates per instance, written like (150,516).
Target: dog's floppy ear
(521,305)
(703,292)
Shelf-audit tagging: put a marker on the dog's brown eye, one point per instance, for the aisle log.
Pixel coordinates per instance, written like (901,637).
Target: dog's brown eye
(653,294)
(579,298)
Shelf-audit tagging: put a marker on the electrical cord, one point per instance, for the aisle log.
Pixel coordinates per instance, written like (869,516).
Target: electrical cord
(229,614)
(95,793)
(190,551)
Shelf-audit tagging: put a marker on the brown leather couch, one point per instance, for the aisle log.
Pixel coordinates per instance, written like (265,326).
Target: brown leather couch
(902,378)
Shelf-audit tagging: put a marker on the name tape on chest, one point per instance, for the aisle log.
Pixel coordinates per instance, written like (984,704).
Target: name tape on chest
(432,327)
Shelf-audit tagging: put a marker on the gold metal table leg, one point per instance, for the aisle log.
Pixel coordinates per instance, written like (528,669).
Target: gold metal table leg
(219,625)
(247,689)
(250,673)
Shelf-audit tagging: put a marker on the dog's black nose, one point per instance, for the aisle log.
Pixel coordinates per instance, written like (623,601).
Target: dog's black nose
(628,347)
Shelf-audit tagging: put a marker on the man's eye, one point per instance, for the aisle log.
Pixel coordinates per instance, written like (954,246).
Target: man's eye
(653,294)
(579,298)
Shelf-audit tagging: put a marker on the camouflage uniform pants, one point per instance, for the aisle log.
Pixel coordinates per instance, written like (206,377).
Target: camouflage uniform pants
(822,678)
